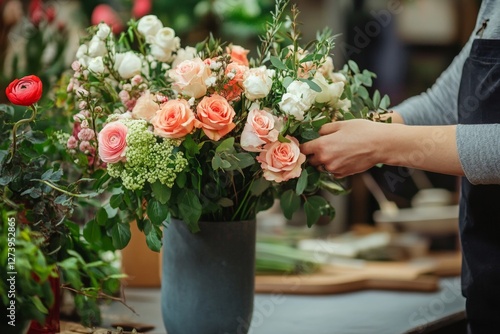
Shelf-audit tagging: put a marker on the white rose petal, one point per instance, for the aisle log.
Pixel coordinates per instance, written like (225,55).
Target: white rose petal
(148,26)
(96,65)
(160,53)
(82,51)
(103,31)
(166,39)
(128,64)
(97,47)
(187,53)
(293,105)
(302,90)
(258,82)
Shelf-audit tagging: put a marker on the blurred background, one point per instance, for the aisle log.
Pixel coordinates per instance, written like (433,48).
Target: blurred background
(407,43)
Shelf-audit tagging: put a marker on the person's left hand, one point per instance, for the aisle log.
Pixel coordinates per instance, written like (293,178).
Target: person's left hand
(347,147)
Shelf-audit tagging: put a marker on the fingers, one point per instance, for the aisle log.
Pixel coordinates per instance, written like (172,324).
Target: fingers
(329,128)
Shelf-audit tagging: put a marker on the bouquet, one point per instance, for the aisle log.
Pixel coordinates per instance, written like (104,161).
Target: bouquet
(206,132)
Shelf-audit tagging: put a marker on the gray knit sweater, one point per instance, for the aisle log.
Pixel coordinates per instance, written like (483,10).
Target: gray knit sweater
(478,145)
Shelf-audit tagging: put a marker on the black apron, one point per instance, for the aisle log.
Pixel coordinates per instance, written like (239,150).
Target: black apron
(479,103)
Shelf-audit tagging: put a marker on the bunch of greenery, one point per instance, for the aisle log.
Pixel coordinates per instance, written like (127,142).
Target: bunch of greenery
(36,195)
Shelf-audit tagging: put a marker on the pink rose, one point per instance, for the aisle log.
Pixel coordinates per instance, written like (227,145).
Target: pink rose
(175,119)
(281,161)
(112,142)
(145,107)
(216,116)
(190,76)
(233,89)
(238,54)
(261,128)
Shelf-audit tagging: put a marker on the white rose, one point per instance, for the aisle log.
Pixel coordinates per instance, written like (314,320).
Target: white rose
(96,65)
(338,77)
(258,82)
(188,53)
(97,47)
(344,104)
(103,31)
(82,51)
(302,90)
(166,39)
(84,61)
(160,53)
(330,93)
(293,105)
(128,64)
(327,67)
(148,26)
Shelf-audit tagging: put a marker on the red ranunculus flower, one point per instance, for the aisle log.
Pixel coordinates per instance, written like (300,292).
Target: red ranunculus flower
(25,91)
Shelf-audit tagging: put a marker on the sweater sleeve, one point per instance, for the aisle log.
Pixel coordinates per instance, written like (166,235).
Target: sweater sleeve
(479,152)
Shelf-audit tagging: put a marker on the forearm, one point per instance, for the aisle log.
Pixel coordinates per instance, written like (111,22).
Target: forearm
(431,148)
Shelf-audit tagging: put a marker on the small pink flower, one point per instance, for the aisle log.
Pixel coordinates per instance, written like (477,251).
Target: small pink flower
(124,96)
(85,146)
(113,142)
(175,119)
(281,161)
(72,143)
(216,116)
(136,80)
(76,66)
(86,134)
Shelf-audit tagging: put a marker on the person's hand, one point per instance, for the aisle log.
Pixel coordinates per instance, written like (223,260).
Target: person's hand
(346,147)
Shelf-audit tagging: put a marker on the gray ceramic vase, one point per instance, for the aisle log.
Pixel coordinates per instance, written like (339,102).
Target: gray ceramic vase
(208,277)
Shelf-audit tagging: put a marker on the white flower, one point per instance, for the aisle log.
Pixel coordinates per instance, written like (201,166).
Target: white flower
(97,47)
(298,98)
(258,82)
(166,39)
(164,43)
(187,53)
(148,26)
(338,77)
(160,54)
(303,90)
(344,104)
(293,105)
(128,64)
(82,51)
(103,31)
(96,65)
(330,93)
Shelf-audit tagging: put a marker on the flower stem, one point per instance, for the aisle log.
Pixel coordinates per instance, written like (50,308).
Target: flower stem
(16,126)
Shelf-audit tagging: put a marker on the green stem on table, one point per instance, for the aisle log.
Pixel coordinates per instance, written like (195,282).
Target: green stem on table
(16,126)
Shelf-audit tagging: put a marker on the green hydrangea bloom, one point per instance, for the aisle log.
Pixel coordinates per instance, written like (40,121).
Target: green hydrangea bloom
(148,159)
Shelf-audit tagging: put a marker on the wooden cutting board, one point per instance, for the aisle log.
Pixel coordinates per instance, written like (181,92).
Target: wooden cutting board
(417,275)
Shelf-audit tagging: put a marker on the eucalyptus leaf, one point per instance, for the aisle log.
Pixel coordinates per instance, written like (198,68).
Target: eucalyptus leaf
(278,63)
(301,182)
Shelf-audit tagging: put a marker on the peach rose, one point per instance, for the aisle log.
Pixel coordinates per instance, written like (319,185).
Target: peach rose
(261,128)
(112,142)
(175,119)
(145,107)
(281,161)
(190,76)
(216,116)
(238,54)
(233,89)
